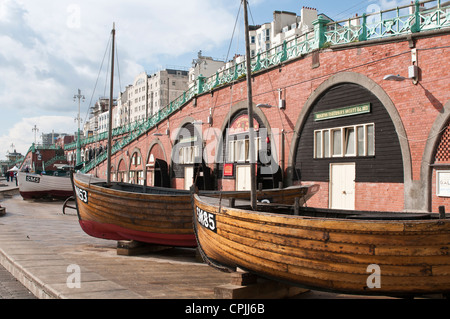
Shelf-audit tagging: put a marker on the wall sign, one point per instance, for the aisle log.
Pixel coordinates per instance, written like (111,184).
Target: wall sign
(241,125)
(227,169)
(443,183)
(341,112)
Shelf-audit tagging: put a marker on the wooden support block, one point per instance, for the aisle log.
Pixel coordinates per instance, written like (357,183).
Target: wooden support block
(245,285)
(134,248)
(261,290)
(243,278)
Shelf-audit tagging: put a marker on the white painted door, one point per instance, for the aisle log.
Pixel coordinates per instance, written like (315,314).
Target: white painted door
(243,182)
(188,177)
(342,186)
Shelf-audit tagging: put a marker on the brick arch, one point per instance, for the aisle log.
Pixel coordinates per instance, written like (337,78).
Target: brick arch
(135,151)
(236,108)
(122,167)
(156,143)
(156,148)
(382,96)
(136,167)
(434,138)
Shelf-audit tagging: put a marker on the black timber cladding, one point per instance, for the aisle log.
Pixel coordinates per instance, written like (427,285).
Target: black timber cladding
(386,166)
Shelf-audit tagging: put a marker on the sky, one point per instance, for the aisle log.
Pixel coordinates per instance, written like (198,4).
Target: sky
(50,49)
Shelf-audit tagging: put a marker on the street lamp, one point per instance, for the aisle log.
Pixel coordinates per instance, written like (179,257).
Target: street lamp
(78,96)
(35,130)
(393,77)
(281,102)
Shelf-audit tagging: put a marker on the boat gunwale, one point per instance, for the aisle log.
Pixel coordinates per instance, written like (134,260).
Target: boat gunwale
(265,217)
(177,192)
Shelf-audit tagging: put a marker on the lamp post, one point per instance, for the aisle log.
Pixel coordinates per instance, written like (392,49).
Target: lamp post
(78,96)
(35,130)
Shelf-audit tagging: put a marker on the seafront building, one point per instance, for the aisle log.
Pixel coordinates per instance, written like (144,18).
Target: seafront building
(285,26)
(148,94)
(360,107)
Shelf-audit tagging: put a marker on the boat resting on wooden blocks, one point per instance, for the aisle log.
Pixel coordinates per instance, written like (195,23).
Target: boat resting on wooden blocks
(156,215)
(356,252)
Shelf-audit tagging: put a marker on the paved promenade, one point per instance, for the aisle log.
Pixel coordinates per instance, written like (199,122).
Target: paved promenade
(51,256)
(48,252)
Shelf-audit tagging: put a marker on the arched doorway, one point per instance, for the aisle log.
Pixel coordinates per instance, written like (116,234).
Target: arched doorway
(187,159)
(157,169)
(348,142)
(122,171)
(136,171)
(234,168)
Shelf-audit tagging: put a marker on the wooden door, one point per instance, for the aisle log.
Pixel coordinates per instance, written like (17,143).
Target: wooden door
(188,177)
(342,186)
(243,182)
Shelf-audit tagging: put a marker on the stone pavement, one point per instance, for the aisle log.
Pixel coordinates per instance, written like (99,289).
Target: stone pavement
(47,252)
(11,288)
(51,256)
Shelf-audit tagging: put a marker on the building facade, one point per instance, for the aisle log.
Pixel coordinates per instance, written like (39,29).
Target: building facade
(370,143)
(148,94)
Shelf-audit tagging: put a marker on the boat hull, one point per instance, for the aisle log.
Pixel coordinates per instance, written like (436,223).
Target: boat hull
(376,257)
(165,219)
(34,186)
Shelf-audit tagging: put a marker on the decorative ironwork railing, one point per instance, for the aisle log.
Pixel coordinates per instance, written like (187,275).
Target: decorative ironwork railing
(398,21)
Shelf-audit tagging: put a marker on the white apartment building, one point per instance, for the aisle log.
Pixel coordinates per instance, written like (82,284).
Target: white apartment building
(205,66)
(164,87)
(148,94)
(98,123)
(98,119)
(284,27)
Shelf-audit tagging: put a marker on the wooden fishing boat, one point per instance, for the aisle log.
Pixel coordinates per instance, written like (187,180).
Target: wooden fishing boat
(157,215)
(332,250)
(34,186)
(355,252)
(121,211)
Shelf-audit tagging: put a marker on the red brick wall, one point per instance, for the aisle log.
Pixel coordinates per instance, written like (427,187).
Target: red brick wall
(418,105)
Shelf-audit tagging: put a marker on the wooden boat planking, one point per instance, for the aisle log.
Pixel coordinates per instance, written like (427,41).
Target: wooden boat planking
(330,254)
(118,215)
(131,212)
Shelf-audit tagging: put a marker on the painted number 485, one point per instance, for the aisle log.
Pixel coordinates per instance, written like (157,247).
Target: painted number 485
(207,220)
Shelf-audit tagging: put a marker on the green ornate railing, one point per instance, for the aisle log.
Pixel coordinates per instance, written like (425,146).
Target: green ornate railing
(398,21)
(55,159)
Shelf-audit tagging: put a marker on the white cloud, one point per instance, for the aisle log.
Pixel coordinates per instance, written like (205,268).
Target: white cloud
(49,49)
(21,135)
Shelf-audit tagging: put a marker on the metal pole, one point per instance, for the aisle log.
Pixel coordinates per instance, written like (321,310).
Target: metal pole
(250,111)
(108,169)
(78,96)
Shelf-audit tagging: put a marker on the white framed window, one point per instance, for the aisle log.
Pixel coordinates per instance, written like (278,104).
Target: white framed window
(346,141)
(188,154)
(239,150)
(140,175)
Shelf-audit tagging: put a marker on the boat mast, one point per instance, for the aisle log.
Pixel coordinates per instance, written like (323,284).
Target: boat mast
(108,169)
(250,112)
